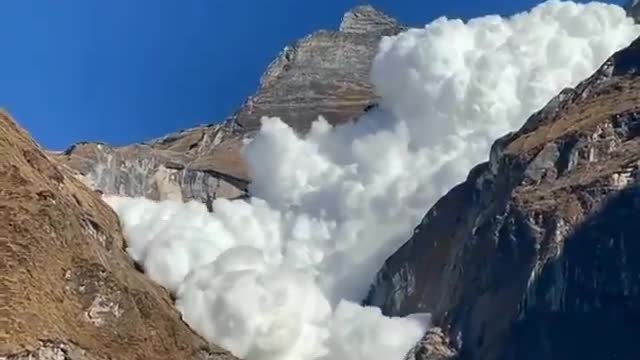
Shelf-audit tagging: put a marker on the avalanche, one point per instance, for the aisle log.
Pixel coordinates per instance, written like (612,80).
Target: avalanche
(281,275)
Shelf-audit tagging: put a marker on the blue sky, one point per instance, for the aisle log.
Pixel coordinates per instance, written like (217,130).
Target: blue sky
(122,71)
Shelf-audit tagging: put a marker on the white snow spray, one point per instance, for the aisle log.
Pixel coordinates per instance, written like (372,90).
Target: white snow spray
(281,276)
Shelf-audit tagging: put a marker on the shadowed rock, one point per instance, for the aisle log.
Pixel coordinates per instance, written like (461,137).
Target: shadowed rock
(633,9)
(535,255)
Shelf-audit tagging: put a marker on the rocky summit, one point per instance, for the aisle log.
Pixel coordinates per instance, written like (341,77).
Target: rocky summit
(326,73)
(67,288)
(535,255)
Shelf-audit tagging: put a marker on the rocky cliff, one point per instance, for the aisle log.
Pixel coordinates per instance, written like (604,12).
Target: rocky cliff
(196,163)
(67,288)
(535,255)
(326,73)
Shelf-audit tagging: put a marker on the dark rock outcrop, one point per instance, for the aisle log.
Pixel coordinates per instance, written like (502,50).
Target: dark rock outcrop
(435,345)
(633,9)
(326,73)
(536,255)
(67,287)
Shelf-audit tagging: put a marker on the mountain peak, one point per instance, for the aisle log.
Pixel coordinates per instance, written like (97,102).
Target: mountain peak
(367,19)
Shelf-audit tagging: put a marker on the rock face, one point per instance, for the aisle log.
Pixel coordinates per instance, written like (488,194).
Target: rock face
(435,345)
(535,255)
(194,164)
(67,288)
(326,73)
(633,9)
(366,20)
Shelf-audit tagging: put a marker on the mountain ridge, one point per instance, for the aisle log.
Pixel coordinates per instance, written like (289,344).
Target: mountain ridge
(325,73)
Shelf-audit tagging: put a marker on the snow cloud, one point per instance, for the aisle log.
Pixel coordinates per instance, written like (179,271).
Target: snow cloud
(281,275)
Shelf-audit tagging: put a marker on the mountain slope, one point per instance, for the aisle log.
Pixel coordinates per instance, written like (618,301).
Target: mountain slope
(534,255)
(326,73)
(68,289)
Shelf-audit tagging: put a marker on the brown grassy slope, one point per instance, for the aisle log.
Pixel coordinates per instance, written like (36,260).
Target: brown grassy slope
(66,284)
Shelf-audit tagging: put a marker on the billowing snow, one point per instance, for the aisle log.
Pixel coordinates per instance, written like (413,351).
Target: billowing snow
(280,276)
